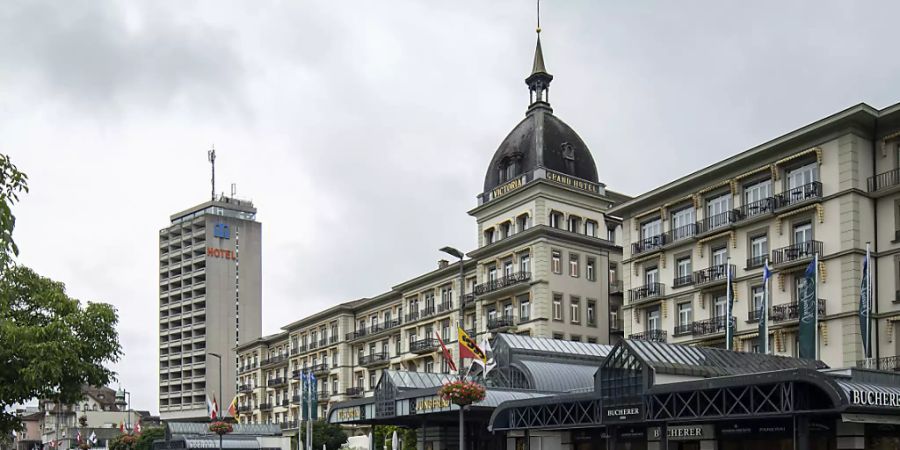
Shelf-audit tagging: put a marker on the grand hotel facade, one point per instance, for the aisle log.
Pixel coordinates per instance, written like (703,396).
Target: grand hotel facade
(560,256)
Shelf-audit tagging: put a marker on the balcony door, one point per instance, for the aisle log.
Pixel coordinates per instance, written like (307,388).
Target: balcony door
(720,305)
(719,256)
(802,232)
(718,205)
(681,222)
(650,230)
(757,192)
(803,175)
(651,276)
(653,321)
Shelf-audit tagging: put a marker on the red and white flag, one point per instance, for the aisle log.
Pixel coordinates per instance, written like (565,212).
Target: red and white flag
(446,352)
(137,426)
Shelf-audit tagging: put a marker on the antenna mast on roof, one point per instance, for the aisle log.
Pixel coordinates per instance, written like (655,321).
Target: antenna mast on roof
(211,155)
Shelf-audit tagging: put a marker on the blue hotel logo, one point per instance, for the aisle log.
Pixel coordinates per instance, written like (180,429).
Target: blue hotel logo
(221,230)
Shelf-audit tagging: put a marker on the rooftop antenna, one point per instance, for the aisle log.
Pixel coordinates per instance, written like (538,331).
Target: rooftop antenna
(233,190)
(211,155)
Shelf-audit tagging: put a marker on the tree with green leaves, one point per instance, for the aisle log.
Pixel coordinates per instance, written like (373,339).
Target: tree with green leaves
(147,436)
(332,435)
(50,344)
(384,433)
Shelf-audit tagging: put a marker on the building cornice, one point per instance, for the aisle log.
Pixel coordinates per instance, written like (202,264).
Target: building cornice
(539,231)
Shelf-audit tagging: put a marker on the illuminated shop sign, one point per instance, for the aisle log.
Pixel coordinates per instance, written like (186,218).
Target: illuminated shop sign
(860,397)
(572,182)
(221,253)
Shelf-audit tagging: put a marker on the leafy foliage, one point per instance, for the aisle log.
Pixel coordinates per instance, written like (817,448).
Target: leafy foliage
(147,436)
(123,442)
(50,344)
(332,435)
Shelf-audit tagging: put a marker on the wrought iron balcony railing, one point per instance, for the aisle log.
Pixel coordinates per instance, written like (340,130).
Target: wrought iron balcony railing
(718,221)
(683,329)
(615,287)
(244,388)
(648,244)
(323,342)
(791,311)
(274,382)
(757,208)
(891,363)
(502,282)
(884,180)
(756,261)
(423,346)
(797,252)
(500,322)
(800,194)
(428,311)
(412,316)
(273,360)
(712,274)
(684,280)
(354,391)
(681,233)
(289,425)
(646,292)
(296,399)
(649,335)
(444,307)
(711,326)
(323,395)
(373,359)
(244,408)
(318,368)
(265,406)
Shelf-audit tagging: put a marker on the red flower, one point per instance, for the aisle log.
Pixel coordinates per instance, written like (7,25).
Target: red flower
(461,392)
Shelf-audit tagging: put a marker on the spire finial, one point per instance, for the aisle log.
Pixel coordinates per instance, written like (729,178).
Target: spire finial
(539,80)
(538,30)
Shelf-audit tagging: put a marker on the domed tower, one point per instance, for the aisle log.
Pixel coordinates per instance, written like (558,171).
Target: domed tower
(546,249)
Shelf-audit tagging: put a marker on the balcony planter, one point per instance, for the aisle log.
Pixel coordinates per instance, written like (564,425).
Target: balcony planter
(462,392)
(220,428)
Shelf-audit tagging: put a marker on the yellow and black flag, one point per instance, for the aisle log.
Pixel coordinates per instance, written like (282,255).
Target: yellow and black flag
(468,348)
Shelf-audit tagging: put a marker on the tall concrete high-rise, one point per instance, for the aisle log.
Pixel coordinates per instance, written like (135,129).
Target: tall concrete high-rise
(209,302)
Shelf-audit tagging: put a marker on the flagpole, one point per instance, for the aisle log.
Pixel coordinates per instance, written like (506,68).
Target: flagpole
(764,316)
(868,341)
(816,304)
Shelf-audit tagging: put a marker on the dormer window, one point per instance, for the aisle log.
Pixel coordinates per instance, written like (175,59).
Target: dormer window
(489,236)
(522,223)
(556,219)
(574,224)
(505,230)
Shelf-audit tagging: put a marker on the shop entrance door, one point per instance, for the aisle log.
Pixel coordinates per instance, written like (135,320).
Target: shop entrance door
(689,445)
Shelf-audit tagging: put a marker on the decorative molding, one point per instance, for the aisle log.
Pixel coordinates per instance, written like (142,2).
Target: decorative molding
(820,212)
(816,150)
(714,237)
(823,329)
(753,172)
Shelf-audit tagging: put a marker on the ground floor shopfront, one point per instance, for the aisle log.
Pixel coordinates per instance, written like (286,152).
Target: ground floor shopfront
(659,396)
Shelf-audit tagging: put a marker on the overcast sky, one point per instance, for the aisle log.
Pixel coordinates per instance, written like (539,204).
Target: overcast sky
(362,130)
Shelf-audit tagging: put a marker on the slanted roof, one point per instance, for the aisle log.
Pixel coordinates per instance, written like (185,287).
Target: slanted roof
(552,346)
(404,380)
(553,376)
(710,362)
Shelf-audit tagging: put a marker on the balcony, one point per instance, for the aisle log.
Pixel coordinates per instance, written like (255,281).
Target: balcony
(248,367)
(265,406)
(390,324)
(713,274)
(323,396)
(428,311)
(757,208)
(648,244)
(615,287)
(444,307)
(646,292)
(500,322)
(354,392)
(891,363)
(718,221)
(244,388)
(412,317)
(289,425)
(356,334)
(710,326)
(276,382)
(468,299)
(295,399)
(791,311)
(273,360)
(800,194)
(681,233)
(682,281)
(313,345)
(756,261)
(649,335)
(884,181)
(799,252)
(244,409)
(323,342)
(422,346)
(374,359)
(502,282)
(333,339)
(284,403)
(683,329)
(319,368)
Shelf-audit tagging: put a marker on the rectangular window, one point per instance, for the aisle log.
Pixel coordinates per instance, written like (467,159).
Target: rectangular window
(591,269)
(429,366)
(757,192)
(759,250)
(613,272)
(611,234)
(524,263)
(555,219)
(445,330)
(683,223)
(507,268)
(556,261)
(685,314)
(757,295)
(491,274)
(524,309)
(803,175)
(719,256)
(683,274)
(575,309)
(651,230)
(718,205)
(557,307)
(558,336)
(592,312)
(590,228)
(653,322)
(802,232)
(573,265)
(574,223)
(719,305)
(575,338)
(651,276)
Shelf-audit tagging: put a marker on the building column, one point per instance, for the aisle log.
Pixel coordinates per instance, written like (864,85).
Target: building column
(801,433)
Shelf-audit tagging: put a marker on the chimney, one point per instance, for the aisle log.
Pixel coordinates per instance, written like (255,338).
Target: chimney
(442,263)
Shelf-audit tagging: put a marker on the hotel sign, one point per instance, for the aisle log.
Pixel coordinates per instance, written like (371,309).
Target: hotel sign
(347,414)
(221,253)
(574,183)
(859,397)
(500,191)
(626,413)
(431,404)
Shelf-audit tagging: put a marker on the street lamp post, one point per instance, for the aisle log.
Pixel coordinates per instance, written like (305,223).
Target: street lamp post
(219,358)
(123,399)
(462,287)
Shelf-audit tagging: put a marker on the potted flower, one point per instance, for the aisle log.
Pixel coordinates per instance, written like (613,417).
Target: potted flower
(220,428)
(462,392)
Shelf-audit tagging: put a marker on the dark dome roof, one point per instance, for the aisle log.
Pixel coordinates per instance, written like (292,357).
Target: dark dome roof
(556,147)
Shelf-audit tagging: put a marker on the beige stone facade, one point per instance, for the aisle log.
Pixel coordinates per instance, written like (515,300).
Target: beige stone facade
(805,193)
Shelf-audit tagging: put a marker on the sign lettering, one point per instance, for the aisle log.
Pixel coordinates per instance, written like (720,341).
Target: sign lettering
(623,413)
(685,433)
(430,404)
(574,183)
(221,253)
(872,398)
(507,188)
(347,414)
